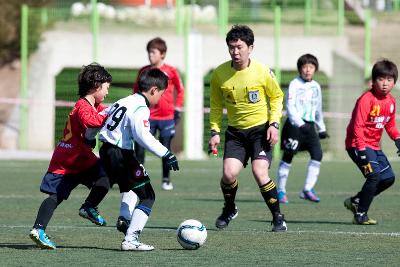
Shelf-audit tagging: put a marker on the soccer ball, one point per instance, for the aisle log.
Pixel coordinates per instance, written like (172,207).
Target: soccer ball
(191,234)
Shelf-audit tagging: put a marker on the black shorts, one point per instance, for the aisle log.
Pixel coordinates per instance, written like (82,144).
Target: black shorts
(247,143)
(62,185)
(294,140)
(123,168)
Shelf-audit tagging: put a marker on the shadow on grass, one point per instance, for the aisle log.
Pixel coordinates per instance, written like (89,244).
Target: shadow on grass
(21,246)
(222,201)
(310,222)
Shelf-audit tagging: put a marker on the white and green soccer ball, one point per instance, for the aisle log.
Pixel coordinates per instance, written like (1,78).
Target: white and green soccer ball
(191,234)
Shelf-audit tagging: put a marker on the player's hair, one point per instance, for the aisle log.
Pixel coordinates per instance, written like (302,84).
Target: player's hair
(307,59)
(157,43)
(92,76)
(384,68)
(241,32)
(152,77)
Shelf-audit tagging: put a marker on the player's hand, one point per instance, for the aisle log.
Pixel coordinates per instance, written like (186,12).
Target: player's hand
(397,143)
(90,142)
(172,161)
(362,157)
(272,135)
(213,143)
(177,116)
(305,128)
(323,135)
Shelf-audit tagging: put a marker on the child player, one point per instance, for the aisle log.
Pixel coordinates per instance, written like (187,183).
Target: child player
(128,121)
(73,161)
(374,111)
(166,113)
(304,111)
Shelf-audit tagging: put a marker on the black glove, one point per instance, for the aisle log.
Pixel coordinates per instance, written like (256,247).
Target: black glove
(305,128)
(397,143)
(323,135)
(362,156)
(171,161)
(91,143)
(177,116)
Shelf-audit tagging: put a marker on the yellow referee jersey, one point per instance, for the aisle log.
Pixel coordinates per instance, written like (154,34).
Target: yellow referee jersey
(245,94)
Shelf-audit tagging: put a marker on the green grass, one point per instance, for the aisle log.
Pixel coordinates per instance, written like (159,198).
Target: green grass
(319,234)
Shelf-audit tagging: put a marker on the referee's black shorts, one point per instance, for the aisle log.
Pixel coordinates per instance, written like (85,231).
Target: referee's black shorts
(243,144)
(123,168)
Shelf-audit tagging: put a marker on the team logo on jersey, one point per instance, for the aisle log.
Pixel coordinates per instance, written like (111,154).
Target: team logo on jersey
(391,108)
(146,123)
(254,96)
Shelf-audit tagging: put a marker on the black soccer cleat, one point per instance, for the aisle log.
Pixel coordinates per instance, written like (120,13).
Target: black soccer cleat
(228,214)
(278,223)
(123,224)
(363,219)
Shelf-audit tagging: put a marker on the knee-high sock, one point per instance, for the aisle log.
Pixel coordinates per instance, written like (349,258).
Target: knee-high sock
(46,211)
(283,173)
(138,221)
(229,192)
(270,195)
(367,192)
(312,174)
(128,203)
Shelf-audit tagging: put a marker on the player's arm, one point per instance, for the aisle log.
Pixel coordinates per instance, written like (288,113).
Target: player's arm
(293,113)
(319,118)
(360,115)
(180,94)
(90,118)
(275,95)
(390,126)
(216,112)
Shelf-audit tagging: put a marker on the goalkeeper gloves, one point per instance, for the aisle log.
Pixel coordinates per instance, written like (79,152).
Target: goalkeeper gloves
(171,161)
(362,156)
(323,135)
(397,143)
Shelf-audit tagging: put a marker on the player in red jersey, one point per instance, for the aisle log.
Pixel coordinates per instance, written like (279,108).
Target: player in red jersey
(166,114)
(374,111)
(73,161)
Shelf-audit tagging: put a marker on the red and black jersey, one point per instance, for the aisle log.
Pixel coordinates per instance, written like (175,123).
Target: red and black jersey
(164,110)
(72,154)
(370,116)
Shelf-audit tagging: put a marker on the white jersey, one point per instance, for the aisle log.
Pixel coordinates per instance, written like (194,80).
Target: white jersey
(304,103)
(128,122)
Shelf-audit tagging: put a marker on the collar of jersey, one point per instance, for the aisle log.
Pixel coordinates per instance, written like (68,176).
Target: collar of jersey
(145,98)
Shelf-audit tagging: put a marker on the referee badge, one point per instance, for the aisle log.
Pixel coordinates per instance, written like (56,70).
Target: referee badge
(254,96)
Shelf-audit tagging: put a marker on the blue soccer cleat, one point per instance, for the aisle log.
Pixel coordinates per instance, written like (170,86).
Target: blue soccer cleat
(92,214)
(41,239)
(310,195)
(282,197)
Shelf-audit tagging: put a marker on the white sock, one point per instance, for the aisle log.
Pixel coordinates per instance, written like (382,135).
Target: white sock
(283,173)
(312,174)
(138,221)
(128,203)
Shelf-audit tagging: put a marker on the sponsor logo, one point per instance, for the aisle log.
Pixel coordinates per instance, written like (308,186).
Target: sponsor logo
(146,123)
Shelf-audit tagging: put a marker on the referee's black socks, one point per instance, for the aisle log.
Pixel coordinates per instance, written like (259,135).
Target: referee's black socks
(229,192)
(270,195)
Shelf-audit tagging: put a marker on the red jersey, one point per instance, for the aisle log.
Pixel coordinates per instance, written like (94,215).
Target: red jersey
(370,115)
(72,155)
(164,110)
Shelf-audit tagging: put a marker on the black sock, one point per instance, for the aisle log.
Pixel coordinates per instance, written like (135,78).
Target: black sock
(367,193)
(46,211)
(383,185)
(270,195)
(229,191)
(98,192)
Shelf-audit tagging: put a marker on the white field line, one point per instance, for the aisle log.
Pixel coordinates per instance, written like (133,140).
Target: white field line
(390,234)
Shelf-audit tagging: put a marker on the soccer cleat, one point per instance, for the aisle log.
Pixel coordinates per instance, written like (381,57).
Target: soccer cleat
(92,214)
(167,186)
(123,224)
(226,216)
(310,195)
(279,223)
(362,219)
(350,205)
(41,239)
(133,244)
(283,197)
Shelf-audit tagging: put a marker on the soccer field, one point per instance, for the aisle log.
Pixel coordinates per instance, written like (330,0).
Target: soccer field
(318,234)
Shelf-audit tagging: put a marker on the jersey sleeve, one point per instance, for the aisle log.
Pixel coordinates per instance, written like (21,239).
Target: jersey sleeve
(275,94)
(180,91)
(319,118)
(141,132)
(390,126)
(360,115)
(89,117)
(293,114)
(216,104)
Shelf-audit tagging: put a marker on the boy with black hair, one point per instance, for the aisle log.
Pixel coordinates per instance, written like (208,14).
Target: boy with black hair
(304,112)
(128,122)
(374,111)
(73,161)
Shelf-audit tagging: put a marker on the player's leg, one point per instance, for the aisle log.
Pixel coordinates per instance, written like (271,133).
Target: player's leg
(167,132)
(139,219)
(128,203)
(234,158)
(261,156)
(96,179)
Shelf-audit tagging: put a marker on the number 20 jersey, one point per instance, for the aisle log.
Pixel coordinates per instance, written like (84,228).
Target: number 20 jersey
(128,121)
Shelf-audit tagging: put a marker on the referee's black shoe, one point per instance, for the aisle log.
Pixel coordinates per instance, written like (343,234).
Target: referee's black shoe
(228,214)
(279,223)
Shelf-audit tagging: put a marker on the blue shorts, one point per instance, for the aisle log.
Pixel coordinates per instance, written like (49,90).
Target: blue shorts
(165,127)
(62,185)
(378,162)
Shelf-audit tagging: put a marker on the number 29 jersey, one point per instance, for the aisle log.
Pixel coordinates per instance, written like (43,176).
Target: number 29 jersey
(128,121)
